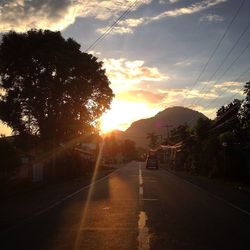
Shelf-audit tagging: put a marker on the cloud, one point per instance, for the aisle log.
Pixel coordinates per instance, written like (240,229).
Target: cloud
(198,94)
(183,63)
(95,53)
(228,84)
(125,74)
(193,8)
(127,26)
(210,112)
(168,1)
(141,96)
(21,15)
(212,18)
(174,1)
(230,87)
(124,27)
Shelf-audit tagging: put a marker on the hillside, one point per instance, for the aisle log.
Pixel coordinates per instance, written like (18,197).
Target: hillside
(173,116)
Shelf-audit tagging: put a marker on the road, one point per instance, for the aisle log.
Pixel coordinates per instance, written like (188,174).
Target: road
(135,208)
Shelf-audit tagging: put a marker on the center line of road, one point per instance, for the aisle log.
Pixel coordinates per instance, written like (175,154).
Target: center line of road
(141,191)
(143,237)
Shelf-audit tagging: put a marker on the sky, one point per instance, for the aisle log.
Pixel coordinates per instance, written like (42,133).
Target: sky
(161,53)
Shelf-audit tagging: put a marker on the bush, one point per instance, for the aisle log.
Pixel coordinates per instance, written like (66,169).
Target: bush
(9,159)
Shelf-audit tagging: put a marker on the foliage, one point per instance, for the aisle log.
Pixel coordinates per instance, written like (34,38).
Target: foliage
(180,133)
(221,111)
(153,140)
(10,158)
(227,137)
(50,88)
(202,128)
(220,147)
(244,112)
(116,150)
(129,150)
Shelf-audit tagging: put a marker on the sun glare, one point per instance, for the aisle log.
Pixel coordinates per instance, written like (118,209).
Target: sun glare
(123,113)
(109,122)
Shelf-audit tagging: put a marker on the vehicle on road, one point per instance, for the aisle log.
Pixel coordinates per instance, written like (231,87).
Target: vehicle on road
(152,162)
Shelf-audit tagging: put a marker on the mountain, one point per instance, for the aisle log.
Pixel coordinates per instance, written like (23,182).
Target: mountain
(173,117)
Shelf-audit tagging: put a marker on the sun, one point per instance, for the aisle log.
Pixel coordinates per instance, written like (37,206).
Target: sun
(109,122)
(122,113)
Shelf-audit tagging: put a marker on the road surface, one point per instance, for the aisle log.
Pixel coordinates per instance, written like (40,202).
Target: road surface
(135,208)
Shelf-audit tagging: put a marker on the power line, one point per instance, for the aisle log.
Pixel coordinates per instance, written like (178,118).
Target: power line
(231,98)
(229,67)
(243,73)
(111,27)
(218,45)
(228,54)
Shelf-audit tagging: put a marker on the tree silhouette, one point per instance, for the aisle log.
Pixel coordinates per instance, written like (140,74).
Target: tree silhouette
(202,128)
(50,88)
(129,150)
(221,111)
(245,109)
(153,139)
(180,133)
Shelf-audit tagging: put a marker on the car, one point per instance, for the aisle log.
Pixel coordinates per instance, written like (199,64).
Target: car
(152,162)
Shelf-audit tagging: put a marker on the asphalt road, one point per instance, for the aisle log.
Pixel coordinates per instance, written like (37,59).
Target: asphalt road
(135,208)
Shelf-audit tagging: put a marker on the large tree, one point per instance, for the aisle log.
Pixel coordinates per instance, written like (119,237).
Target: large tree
(50,88)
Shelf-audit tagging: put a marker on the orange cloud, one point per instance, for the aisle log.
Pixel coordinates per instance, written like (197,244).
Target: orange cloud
(142,96)
(126,75)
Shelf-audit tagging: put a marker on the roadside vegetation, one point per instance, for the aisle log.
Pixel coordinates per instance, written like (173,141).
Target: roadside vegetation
(220,147)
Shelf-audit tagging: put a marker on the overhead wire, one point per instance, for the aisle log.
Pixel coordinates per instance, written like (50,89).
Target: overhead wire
(217,46)
(209,104)
(111,27)
(227,55)
(228,68)
(231,98)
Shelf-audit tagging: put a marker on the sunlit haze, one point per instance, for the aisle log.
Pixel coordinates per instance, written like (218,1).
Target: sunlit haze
(123,113)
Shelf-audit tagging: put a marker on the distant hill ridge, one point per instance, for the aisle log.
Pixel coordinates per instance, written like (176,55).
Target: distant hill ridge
(173,117)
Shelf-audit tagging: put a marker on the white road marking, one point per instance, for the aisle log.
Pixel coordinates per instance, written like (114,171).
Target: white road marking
(140,180)
(143,237)
(141,191)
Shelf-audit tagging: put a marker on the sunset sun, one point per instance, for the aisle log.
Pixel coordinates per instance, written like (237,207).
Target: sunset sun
(122,113)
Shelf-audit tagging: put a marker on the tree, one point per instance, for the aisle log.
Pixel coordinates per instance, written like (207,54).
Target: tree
(129,150)
(180,133)
(10,159)
(235,103)
(202,128)
(244,112)
(50,88)
(153,140)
